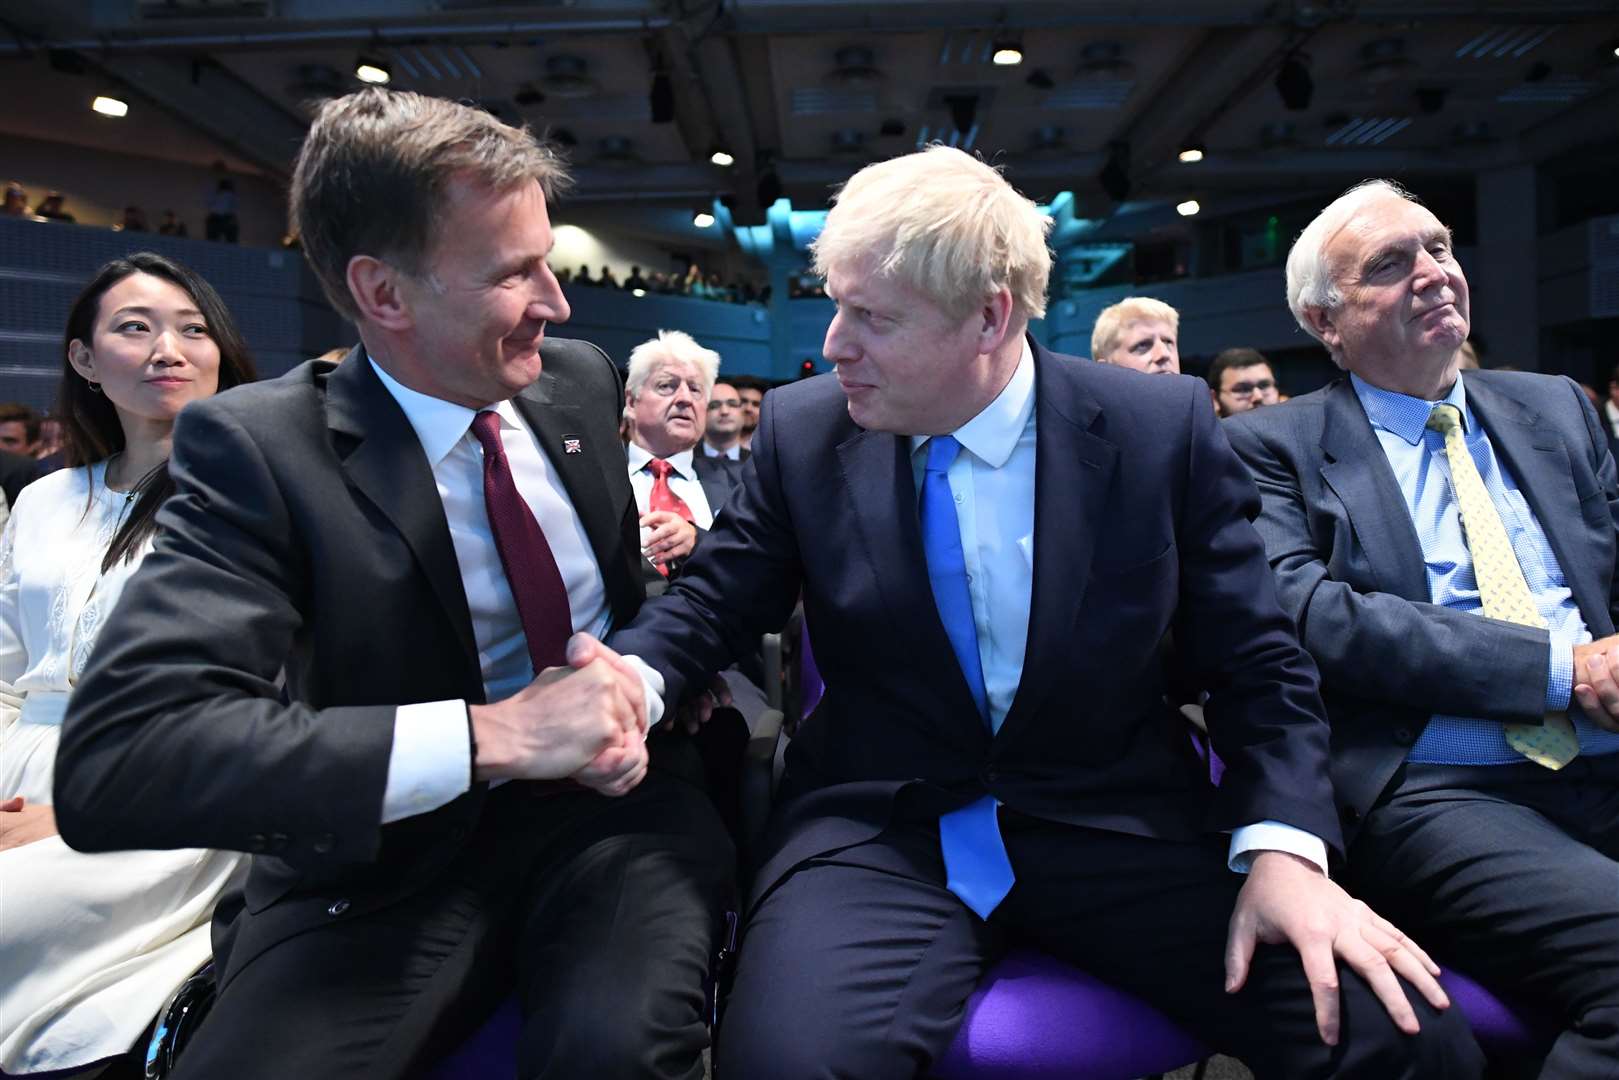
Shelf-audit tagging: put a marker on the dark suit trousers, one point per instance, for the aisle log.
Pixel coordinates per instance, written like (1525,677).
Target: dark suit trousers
(601,913)
(858,965)
(1511,872)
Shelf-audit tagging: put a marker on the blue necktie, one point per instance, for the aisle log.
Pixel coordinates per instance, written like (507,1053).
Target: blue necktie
(976,865)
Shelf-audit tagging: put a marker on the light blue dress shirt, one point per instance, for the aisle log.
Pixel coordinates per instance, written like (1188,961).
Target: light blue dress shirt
(992,479)
(1417,456)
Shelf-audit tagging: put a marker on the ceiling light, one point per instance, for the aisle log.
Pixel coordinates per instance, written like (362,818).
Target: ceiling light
(702,219)
(1187,208)
(722,159)
(369,69)
(637,292)
(1007,54)
(110,106)
(1191,153)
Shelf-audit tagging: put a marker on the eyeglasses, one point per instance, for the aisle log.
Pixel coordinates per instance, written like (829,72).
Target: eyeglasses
(1243,389)
(725,403)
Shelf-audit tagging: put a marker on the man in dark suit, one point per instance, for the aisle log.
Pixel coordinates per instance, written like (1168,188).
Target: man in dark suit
(722,438)
(991,541)
(1445,542)
(426,540)
(16,473)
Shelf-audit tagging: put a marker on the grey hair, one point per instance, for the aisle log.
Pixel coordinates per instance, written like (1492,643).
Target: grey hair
(654,353)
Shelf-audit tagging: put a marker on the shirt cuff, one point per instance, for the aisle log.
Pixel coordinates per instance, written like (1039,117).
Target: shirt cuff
(652,687)
(430,762)
(1559,676)
(1250,840)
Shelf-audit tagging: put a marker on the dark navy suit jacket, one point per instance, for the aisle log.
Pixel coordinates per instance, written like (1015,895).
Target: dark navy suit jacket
(1142,524)
(1350,568)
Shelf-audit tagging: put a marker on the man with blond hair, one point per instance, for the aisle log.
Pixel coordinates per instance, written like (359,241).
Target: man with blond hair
(1139,333)
(990,541)
(1445,539)
(365,649)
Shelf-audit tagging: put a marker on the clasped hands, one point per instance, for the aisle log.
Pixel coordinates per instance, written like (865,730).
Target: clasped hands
(1596,681)
(1288,900)
(22,822)
(586,722)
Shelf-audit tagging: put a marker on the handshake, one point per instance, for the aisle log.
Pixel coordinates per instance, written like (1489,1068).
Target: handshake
(586,722)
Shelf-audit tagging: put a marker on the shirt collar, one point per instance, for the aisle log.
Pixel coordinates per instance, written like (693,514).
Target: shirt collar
(439,424)
(640,455)
(993,434)
(1404,415)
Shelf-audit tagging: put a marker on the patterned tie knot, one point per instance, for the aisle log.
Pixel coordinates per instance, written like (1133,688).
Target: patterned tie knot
(942,450)
(1445,419)
(486,429)
(660,468)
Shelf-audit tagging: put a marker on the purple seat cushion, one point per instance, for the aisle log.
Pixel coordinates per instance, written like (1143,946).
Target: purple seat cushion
(491,1052)
(1500,1030)
(1035,1017)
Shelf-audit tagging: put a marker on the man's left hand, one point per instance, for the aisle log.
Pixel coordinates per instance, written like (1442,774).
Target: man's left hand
(1289,899)
(1596,687)
(672,536)
(21,823)
(696,711)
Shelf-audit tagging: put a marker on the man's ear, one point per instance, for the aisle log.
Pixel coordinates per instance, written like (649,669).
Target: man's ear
(1321,320)
(995,319)
(375,287)
(83,361)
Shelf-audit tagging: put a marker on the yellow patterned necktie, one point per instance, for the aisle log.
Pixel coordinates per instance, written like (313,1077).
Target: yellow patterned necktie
(1501,585)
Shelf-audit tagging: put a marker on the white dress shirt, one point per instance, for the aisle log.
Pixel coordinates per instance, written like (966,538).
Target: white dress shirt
(430,763)
(993,484)
(734,452)
(683,483)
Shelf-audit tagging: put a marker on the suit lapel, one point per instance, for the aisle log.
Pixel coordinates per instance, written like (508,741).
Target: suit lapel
(1357,470)
(1073,468)
(384,460)
(579,463)
(1540,464)
(717,479)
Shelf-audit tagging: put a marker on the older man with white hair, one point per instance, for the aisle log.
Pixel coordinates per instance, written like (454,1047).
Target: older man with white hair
(1139,333)
(1446,544)
(991,541)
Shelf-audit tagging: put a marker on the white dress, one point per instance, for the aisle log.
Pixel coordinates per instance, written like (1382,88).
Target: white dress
(90,945)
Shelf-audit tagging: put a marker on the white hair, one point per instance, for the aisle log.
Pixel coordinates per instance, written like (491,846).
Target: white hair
(1309,278)
(1111,323)
(944,223)
(669,345)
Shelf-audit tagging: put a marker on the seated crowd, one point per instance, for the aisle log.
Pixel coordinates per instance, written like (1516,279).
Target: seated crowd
(221,222)
(420,678)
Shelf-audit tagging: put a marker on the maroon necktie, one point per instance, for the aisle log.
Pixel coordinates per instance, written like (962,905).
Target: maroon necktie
(664,497)
(531,569)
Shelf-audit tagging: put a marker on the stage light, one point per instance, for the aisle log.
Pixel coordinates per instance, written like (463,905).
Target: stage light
(1191,152)
(110,106)
(722,158)
(637,292)
(369,69)
(1187,208)
(702,219)
(1007,54)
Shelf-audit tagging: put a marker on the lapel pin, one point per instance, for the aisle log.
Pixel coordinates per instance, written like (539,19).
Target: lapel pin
(571,444)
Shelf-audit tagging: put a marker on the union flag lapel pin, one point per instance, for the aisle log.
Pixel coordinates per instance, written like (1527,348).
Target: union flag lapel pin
(571,444)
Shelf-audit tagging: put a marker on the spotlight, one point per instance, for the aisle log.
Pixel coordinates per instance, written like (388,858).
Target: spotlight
(637,292)
(721,158)
(702,219)
(369,69)
(1187,208)
(110,106)
(1007,54)
(662,98)
(1191,152)
(1294,84)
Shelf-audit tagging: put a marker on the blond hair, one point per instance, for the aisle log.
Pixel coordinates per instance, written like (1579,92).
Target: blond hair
(944,223)
(1111,323)
(371,175)
(670,345)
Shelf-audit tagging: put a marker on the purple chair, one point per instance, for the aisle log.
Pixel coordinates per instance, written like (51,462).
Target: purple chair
(489,1054)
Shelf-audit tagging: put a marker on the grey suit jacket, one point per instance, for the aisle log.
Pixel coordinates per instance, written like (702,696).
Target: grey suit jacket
(1350,569)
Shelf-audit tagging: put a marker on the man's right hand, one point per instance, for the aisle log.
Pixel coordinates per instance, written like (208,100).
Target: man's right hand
(1596,680)
(558,725)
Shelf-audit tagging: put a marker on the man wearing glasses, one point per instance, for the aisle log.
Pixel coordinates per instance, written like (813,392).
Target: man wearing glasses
(1241,379)
(724,435)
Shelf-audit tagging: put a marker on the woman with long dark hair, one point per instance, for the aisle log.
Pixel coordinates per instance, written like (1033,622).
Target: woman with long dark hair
(91,945)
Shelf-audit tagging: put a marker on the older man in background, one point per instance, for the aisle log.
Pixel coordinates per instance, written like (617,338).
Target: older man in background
(1139,333)
(1445,541)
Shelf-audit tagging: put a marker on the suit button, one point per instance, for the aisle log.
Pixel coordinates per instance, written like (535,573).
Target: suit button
(1404,736)
(992,775)
(338,907)
(278,841)
(324,843)
(258,843)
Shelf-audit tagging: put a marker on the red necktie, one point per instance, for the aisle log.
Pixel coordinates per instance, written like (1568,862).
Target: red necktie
(664,498)
(531,569)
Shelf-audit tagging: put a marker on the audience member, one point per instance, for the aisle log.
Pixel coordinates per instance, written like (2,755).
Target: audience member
(635,280)
(607,280)
(357,559)
(1140,333)
(16,204)
(19,428)
(16,472)
(171,225)
(1446,543)
(49,452)
(1241,379)
(751,390)
(51,209)
(583,277)
(221,223)
(1610,407)
(723,435)
(93,945)
(992,758)
(134,220)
